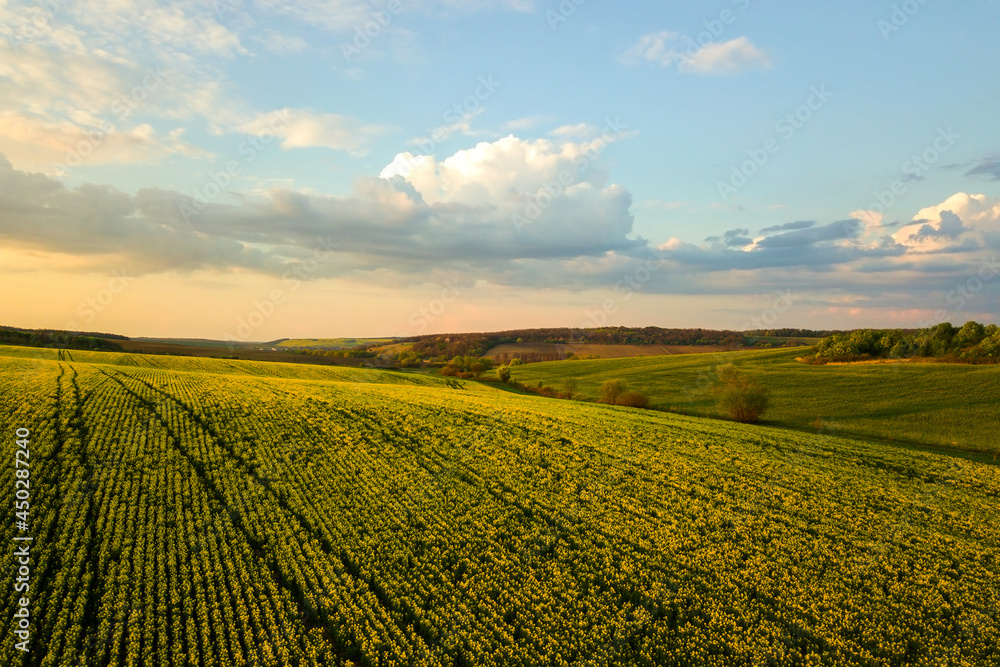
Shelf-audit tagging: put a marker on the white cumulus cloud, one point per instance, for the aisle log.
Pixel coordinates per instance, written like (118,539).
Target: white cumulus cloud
(958,222)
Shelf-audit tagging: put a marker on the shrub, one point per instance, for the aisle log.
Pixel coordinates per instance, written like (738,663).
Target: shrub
(503,373)
(569,386)
(633,399)
(740,397)
(611,390)
(744,403)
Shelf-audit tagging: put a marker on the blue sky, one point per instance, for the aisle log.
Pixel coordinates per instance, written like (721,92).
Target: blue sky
(257,169)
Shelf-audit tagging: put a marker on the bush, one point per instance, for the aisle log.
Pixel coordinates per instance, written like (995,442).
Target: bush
(569,386)
(744,403)
(740,397)
(611,390)
(503,373)
(633,399)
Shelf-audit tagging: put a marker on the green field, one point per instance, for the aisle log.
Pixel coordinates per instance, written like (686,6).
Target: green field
(954,405)
(212,512)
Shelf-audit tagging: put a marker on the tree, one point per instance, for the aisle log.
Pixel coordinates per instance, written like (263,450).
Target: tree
(503,373)
(739,396)
(477,368)
(569,386)
(611,390)
(971,333)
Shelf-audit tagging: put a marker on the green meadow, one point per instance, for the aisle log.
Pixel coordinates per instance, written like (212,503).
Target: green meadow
(936,404)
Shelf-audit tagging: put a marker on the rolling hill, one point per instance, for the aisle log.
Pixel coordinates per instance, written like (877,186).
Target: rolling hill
(952,405)
(209,512)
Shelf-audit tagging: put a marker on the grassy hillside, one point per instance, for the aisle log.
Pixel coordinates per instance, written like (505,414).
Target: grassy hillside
(939,404)
(219,366)
(508,351)
(215,513)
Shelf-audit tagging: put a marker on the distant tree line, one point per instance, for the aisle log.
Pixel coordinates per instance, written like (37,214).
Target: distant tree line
(342,354)
(442,347)
(468,366)
(70,340)
(791,333)
(971,343)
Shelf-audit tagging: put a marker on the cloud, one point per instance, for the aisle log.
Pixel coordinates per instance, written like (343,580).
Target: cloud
(303,128)
(732,57)
(918,265)
(463,126)
(457,212)
(424,218)
(717,58)
(733,238)
(798,236)
(100,222)
(578,130)
(86,65)
(55,148)
(960,222)
(344,16)
(506,170)
(989,168)
(281,44)
(802,224)
(526,123)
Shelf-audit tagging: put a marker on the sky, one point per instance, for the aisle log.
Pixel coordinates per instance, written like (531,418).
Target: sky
(253,169)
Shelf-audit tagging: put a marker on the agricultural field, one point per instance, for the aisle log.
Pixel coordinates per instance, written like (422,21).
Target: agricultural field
(210,512)
(937,404)
(602,351)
